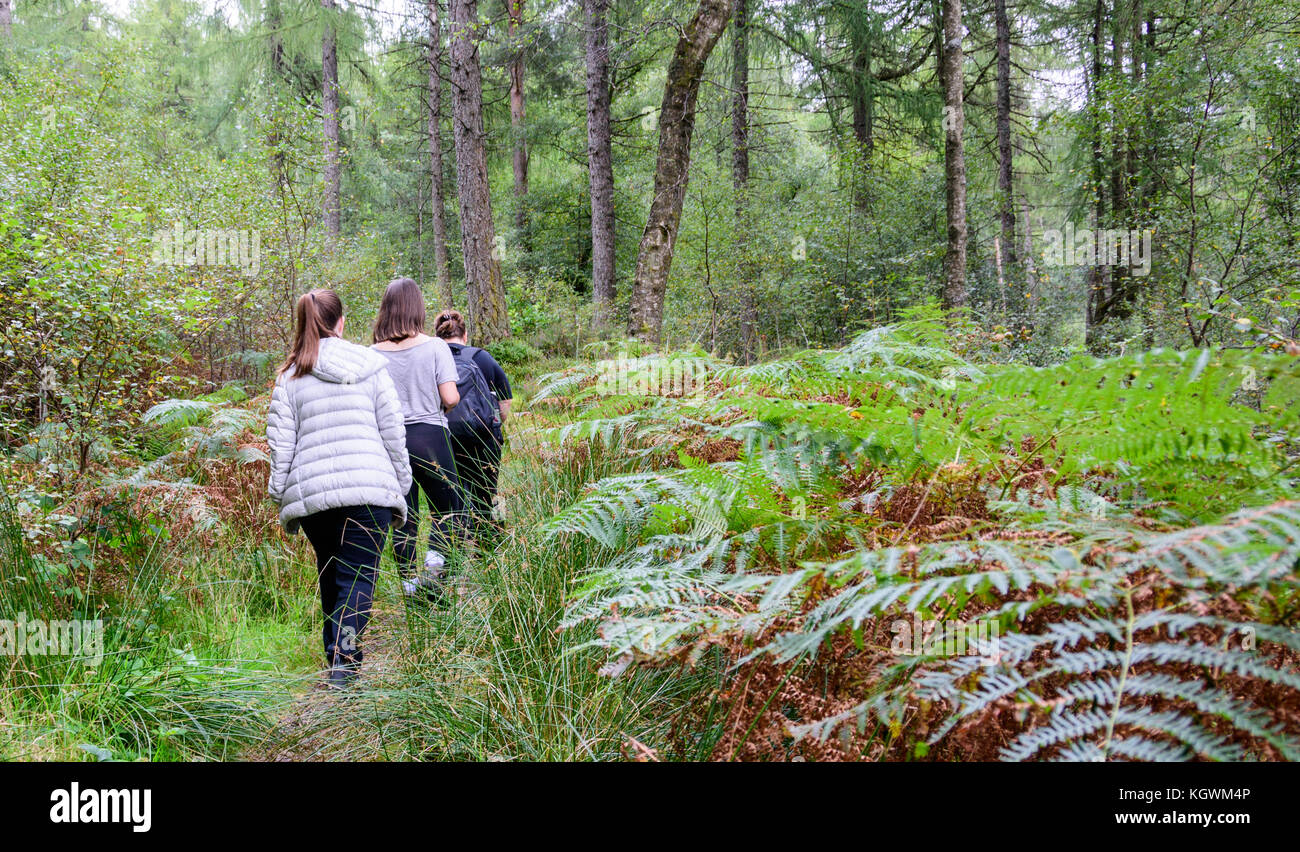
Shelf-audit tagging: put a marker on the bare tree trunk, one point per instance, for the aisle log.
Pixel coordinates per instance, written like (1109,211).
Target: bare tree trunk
(1121,297)
(1006,185)
(330,114)
(954,122)
(1098,289)
(438,199)
(672,166)
(486,291)
(1027,258)
(1137,197)
(740,175)
(740,103)
(515,13)
(600,160)
(281,190)
(6,18)
(1137,57)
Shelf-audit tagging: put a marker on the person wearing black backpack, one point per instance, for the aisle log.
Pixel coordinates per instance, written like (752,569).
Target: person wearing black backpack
(475,424)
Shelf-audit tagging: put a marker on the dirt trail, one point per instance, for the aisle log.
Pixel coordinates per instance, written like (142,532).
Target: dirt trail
(318,724)
(310,728)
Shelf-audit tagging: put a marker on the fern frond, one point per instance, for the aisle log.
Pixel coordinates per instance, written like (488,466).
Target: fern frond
(178,412)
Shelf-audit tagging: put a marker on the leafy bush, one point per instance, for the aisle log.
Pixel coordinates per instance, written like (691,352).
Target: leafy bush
(512,352)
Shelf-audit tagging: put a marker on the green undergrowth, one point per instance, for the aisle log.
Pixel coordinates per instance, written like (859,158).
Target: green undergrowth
(700,560)
(1126,527)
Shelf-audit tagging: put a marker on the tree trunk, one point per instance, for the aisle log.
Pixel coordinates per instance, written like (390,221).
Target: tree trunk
(1138,52)
(1027,248)
(1137,199)
(1098,288)
(330,114)
(740,103)
(438,199)
(486,291)
(600,160)
(740,176)
(276,139)
(1006,184)
(519,159)
(1121,283)
(279,73)
(953,81)
(672,166)
(275,43)
(864,135)
(6,18)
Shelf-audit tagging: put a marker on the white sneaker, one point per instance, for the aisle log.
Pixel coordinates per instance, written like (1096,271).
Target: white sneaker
(433,560)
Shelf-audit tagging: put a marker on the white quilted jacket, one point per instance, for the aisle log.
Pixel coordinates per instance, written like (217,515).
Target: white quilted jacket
(337,437)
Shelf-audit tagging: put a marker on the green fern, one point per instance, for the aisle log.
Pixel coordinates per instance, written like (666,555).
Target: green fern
(1100,610)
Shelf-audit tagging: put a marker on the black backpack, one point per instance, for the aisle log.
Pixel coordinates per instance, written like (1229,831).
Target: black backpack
(478,410)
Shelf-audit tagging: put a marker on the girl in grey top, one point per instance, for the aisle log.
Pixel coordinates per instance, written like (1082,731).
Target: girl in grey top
(425,375)
(418,370)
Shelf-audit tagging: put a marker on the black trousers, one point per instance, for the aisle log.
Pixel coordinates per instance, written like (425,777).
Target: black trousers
(434,469)
(478,460)
(348,543)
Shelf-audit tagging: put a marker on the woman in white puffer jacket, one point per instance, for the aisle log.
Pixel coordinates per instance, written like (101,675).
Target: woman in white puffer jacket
(339,467)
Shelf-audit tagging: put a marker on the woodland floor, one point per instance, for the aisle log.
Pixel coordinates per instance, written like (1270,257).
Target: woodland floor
(309,729)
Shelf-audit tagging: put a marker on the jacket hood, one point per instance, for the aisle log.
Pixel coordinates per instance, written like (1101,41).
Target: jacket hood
(345,363)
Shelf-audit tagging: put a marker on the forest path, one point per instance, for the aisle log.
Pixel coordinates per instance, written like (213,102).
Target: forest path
(318,723)
(312,726)
(315,723)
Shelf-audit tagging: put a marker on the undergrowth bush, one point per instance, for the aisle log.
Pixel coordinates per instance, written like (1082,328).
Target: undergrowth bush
(1126,528)
(164,685)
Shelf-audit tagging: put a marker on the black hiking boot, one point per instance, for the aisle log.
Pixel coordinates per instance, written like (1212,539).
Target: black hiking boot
(342,677)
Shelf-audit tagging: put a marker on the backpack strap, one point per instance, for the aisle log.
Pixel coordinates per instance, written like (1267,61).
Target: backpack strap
(469,352)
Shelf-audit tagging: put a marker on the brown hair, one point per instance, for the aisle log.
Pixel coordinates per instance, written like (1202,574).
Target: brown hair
(449,324)
(314,318)
(401,312)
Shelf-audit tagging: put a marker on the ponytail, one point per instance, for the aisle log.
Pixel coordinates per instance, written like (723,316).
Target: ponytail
(315,316)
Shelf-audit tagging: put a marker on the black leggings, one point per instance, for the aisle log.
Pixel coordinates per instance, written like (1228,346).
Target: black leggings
(347,543)
(434,470)
(478,460)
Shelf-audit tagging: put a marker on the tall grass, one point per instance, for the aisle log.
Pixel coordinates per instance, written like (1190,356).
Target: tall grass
(211,647)
(490,676)
(181,675)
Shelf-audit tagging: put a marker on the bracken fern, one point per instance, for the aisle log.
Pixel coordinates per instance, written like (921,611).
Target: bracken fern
(1084,512)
